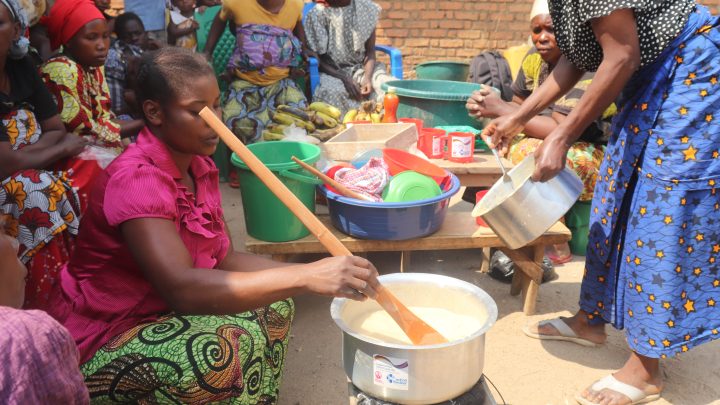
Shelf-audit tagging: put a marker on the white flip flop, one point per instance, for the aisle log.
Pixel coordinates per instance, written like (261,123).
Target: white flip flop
(636,395)
(566,334)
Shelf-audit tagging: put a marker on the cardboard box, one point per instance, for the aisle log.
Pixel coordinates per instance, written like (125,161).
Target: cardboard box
(362,137)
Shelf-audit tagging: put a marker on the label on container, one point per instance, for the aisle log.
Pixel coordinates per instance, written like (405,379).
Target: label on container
(437,147)
(462,147)
(390,372)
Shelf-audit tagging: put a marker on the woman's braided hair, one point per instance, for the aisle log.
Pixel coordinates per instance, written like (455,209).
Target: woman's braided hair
(167,73)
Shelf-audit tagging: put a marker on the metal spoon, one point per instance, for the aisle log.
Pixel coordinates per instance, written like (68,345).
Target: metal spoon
(506,177)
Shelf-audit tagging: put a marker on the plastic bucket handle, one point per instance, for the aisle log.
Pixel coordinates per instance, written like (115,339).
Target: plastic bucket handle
(300,177)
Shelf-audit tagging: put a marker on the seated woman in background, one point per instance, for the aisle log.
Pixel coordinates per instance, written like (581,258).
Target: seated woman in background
(205,323)
(342,33)
(585,156)
(76,78)
(39,358)
(37,204)
(268,50)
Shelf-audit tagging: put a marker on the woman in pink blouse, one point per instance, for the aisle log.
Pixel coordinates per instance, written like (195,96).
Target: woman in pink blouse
(159,303)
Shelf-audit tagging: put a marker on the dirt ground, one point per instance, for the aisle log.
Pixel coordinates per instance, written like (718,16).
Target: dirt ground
(524,370)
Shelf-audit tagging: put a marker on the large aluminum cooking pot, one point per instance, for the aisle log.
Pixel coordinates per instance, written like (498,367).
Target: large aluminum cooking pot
(409,374)
(521,210)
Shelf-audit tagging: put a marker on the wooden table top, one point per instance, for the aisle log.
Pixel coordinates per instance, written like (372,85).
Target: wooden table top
(459,231)
(483,163)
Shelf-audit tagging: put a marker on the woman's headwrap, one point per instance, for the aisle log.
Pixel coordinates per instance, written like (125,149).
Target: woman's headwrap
(67,17)
(19,48)
(539,7)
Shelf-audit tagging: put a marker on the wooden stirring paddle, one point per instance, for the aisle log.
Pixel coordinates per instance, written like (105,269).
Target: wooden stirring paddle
(341,188)
(419,332)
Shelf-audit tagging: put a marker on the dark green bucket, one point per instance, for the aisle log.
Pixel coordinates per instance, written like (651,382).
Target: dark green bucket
(266,217)
(443,70)
(577,220)
(436,102)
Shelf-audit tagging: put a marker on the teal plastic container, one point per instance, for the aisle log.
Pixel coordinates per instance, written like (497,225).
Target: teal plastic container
(443,70)
(266,217)
(577,220)
(436,102)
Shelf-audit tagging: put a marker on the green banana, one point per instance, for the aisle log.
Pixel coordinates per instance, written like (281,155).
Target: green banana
(297,112)
(277,128)
(271,136)
(325,120)
(325,108)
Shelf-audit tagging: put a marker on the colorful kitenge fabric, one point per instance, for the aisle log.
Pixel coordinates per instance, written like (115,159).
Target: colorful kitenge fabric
(233,359)
(249,107)
(83,100)
(260,46)
(584,158)
(37,206)
(652,259)
(341,34)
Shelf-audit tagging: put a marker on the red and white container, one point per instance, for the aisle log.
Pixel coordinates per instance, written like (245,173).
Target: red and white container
(460,147)
(433,142)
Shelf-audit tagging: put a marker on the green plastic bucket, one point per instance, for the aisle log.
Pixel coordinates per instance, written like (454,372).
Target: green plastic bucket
(443,70)
(266,217)
(577,220)
(436,102)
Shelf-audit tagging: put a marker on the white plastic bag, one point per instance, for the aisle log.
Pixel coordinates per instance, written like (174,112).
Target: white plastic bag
(297,134)
(103,156)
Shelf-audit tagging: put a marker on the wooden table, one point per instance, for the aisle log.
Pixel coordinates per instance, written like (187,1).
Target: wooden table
(483,171)
(458,231)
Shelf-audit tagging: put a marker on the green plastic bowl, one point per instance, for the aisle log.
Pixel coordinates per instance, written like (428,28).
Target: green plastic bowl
(436,102)
(443,70)
(410,186)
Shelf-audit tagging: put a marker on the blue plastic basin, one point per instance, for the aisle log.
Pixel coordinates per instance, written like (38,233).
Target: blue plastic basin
(389,221)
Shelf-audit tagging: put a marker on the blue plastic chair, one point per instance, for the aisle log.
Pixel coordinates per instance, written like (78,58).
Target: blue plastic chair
(396,65)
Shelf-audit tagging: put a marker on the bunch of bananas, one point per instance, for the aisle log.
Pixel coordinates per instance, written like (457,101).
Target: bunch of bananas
(320,120)
(368,111)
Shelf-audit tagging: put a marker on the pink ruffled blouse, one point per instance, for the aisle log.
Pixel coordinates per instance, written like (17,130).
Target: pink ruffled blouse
(103,291)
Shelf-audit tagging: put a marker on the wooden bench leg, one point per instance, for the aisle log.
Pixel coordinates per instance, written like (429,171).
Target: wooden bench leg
(528,276)
(531,290)
(517,283)
(485,265)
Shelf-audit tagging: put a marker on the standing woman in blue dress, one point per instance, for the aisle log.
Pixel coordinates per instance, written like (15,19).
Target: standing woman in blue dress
(652,257)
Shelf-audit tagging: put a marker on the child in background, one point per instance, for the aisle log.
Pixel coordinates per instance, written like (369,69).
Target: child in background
(182,27)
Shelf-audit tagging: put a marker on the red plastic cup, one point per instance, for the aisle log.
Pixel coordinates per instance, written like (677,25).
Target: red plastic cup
(479,196)
(417,121)
(460,147)
(433,142)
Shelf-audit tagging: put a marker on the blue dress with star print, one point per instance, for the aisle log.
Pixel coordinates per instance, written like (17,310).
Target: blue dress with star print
(652,259)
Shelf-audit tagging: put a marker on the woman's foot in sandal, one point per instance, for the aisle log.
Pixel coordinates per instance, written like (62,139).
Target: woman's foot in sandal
(559,254)
(638,382)
(575,329)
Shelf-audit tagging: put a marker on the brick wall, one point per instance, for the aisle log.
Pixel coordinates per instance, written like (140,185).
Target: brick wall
(427,30)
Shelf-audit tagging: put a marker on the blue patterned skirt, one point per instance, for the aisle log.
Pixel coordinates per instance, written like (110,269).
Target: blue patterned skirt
(652,258)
